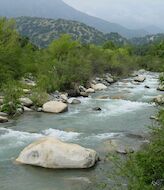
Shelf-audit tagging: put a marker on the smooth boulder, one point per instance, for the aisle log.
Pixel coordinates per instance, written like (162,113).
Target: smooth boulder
(3,119)
(140,79)
(90,90)
(75,101)
(26,102)
(49,152)
(55,107)
(98,86)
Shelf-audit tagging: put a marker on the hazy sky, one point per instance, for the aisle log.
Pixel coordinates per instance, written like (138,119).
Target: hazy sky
(130,13)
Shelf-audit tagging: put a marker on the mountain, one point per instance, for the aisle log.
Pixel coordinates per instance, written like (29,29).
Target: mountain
(56,9)
(148,39)
(43,31)
(153,29)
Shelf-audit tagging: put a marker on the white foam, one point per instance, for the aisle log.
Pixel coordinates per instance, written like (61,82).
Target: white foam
(20,135)
(119,107)
(62,135)
(104,136)
(11,138)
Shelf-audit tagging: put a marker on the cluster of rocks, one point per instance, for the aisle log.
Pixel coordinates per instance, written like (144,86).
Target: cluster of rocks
(58,102)
(159,99)
(161,87)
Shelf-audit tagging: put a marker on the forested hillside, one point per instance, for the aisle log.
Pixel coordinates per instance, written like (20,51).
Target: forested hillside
(43,31)
(148,39)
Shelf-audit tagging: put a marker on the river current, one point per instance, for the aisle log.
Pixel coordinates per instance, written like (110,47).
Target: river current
(125,117)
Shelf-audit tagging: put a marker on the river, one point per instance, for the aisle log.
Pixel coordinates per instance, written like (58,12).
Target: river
(125,119)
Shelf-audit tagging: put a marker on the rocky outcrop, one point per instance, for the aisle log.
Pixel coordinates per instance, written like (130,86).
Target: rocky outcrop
(82,89)
(64,98)
(118,147)
(140,79)
(49,152)
(29,81)
(26,102)
(27,91)
(75,101)
(3,114)
(90,90)
(55,107)
(98,86)
(3,119)
(97,109)
(26,109)
(161,87)
(159,99)
(84,94)
(109,79)
(146,86)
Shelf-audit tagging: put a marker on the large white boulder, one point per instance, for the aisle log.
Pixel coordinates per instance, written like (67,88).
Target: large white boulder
(55,107)
(49,152)
(26,102)
(140,79)
(98,86)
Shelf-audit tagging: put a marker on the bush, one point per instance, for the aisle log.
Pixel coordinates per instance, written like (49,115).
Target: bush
(12,93)
(145,169)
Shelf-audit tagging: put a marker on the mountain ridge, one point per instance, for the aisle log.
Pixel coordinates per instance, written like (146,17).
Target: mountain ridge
(42,31)
(58,9)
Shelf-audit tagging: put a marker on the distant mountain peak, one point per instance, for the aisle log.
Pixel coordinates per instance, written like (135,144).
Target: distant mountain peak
(59,9)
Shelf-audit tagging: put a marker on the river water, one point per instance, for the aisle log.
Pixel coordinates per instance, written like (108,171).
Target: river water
(125,119)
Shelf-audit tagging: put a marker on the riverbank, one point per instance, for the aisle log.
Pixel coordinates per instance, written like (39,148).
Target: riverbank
(59,102)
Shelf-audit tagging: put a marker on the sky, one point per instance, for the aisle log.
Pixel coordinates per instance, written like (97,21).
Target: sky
(130,13)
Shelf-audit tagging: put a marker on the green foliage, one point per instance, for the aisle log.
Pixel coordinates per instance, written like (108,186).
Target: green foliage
(12,93)
(66,62)
(161,78)
(145,169)
(39,97)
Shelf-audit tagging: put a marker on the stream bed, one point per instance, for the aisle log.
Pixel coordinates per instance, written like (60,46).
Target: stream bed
(125,119)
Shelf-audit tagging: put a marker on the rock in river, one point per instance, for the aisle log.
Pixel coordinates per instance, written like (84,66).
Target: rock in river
(90,90)
(161,87)
(159,99)
(98,86)
(75,101)
(140,79)
(97,109)
(55,107)
(49,152)
(3,119)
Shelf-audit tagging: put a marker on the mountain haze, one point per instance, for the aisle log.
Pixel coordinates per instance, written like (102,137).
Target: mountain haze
(56,9)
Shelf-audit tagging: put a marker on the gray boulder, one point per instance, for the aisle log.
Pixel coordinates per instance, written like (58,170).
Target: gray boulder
(26,101)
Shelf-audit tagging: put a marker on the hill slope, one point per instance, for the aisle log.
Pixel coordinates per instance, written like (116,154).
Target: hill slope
(43,31)
(148,39)
(58,9)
